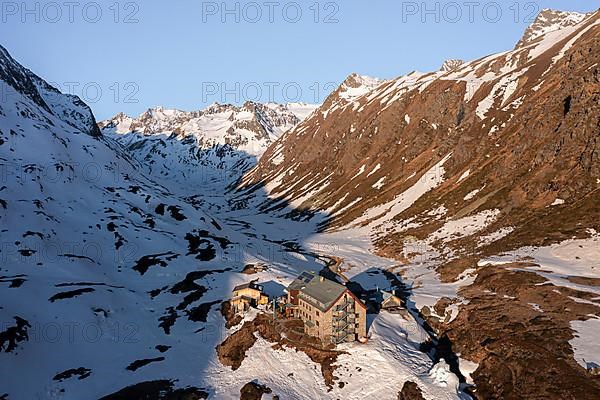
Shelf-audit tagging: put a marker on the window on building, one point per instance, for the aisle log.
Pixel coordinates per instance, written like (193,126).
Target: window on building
(317,322)
(317,313)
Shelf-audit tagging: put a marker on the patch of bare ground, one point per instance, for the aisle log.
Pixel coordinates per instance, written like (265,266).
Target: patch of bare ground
(231,317)
(585,281)
(410,391)
(283,333)
(254,391)
(516,326)
(250,269)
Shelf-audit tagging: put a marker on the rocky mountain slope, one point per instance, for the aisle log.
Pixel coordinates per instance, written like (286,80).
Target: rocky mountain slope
(446,169)
(513,131)
(70,109)
(199,147)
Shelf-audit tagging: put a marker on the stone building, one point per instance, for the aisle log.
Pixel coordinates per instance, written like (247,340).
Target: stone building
(330,311)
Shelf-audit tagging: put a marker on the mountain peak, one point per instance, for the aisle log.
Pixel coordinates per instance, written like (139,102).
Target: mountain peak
(549,20)
(355,80)
(356,85)
(120,116)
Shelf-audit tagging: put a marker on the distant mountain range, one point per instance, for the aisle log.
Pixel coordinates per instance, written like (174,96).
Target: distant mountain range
(220,142)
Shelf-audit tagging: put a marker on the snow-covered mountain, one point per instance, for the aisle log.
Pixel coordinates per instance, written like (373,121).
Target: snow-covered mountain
(70,109)
(375,141)
(215,144)
(354,86)
(86,239)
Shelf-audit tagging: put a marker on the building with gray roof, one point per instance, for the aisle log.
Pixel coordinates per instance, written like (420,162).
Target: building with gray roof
(329,309)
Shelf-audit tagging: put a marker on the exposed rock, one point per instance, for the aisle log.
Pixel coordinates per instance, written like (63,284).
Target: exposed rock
(250,269)
(231,317)
(13,335)
(285,333)
(410,391)
(253,391)
(523,352)
(80,372)
(137,364)
(451,65)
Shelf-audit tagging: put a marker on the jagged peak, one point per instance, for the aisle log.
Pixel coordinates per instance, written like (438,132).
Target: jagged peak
(355,80)
(356,85)
(160,110)
(121,116)
(550,20)
(451,65)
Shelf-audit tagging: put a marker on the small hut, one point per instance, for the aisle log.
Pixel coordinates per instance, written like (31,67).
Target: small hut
(390,302)
(248,295)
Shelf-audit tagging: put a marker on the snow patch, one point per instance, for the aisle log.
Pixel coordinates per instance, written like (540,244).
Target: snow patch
(377,168)
(464,175)
(360,171)
(586,345)
(379,184)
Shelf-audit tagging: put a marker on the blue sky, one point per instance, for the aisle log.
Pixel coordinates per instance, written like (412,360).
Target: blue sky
(132,55)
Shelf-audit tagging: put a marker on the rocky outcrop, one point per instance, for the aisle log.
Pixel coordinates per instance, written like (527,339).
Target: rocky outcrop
(68,108)
(253,391)
(521,340)
(410,391)
(451,65)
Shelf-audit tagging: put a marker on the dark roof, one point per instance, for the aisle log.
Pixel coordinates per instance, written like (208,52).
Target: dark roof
(302,280)
(321,292)
(324,291)
(249,285)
